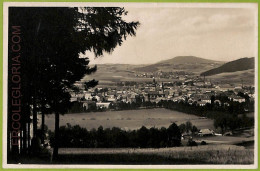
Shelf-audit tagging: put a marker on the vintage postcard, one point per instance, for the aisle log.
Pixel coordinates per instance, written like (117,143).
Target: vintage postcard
(130,85)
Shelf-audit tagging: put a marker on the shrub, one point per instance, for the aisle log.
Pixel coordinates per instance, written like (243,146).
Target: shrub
(203,143)
(192,143)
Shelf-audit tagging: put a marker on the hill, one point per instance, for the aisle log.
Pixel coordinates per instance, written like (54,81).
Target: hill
(247,76)
(233,66)
(186,60)
(186,63)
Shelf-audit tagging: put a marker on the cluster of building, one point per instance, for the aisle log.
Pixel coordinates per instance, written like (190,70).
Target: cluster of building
(181,75)
(194,91)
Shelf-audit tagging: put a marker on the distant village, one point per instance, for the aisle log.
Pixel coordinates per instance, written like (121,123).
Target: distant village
(185,87)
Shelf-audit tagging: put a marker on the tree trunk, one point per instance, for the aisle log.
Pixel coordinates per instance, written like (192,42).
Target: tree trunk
(56,136)
(29,135)
(34,119)
(23,140)
(8,138)
(43,131)
(26,132)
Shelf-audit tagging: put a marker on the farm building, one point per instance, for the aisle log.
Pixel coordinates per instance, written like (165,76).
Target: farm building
(206,132)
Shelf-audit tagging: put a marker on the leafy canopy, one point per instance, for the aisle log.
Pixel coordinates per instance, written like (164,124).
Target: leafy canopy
(53,39)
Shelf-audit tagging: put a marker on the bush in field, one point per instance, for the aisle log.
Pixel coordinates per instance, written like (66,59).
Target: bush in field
(192,143)
(203,143)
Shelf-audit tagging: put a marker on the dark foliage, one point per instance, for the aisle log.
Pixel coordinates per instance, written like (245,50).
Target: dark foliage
(53,38)
(77,137)
(203,143)
(192,143)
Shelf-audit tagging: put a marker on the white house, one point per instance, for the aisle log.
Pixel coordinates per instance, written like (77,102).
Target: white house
(239,99)
(201,103)
(103,104)
(88,96)
(206,100)
(98,98)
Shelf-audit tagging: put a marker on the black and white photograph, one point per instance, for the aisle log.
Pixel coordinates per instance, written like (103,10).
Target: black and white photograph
(130,85)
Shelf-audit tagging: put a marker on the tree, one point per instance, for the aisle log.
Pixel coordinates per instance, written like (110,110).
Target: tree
(143,137)
(212,99)
(155,138)
(53,40)
(222,123)
(194,129)
(188,126)
(182,128)
(101,136)
(94,29)
(174,135)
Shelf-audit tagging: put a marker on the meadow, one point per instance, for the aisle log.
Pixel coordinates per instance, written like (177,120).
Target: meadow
(209,154)
(129,119)
(235,77)
(219,149)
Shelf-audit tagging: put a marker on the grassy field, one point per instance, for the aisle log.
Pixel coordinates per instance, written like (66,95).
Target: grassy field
(135,119)
(203,154)
(108,74)
(129,119)
(235,77)
(219,149)
(209,154)
(111,73)
(225,139)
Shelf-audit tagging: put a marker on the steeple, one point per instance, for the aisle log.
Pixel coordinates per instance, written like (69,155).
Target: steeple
(162,87)
(154,82)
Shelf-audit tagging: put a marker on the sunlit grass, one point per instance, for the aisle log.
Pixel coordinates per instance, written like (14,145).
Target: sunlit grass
(208,154)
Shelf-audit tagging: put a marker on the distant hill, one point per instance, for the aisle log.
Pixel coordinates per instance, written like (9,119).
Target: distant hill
(247,76)
(186,63)
(186,60)
(233,66)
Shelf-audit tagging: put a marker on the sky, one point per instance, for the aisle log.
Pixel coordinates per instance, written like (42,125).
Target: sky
(221,34)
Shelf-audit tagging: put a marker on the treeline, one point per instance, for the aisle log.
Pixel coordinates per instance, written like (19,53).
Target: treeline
(226,122)
(208,110)
(132,106)
(225,117)
(78,137)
